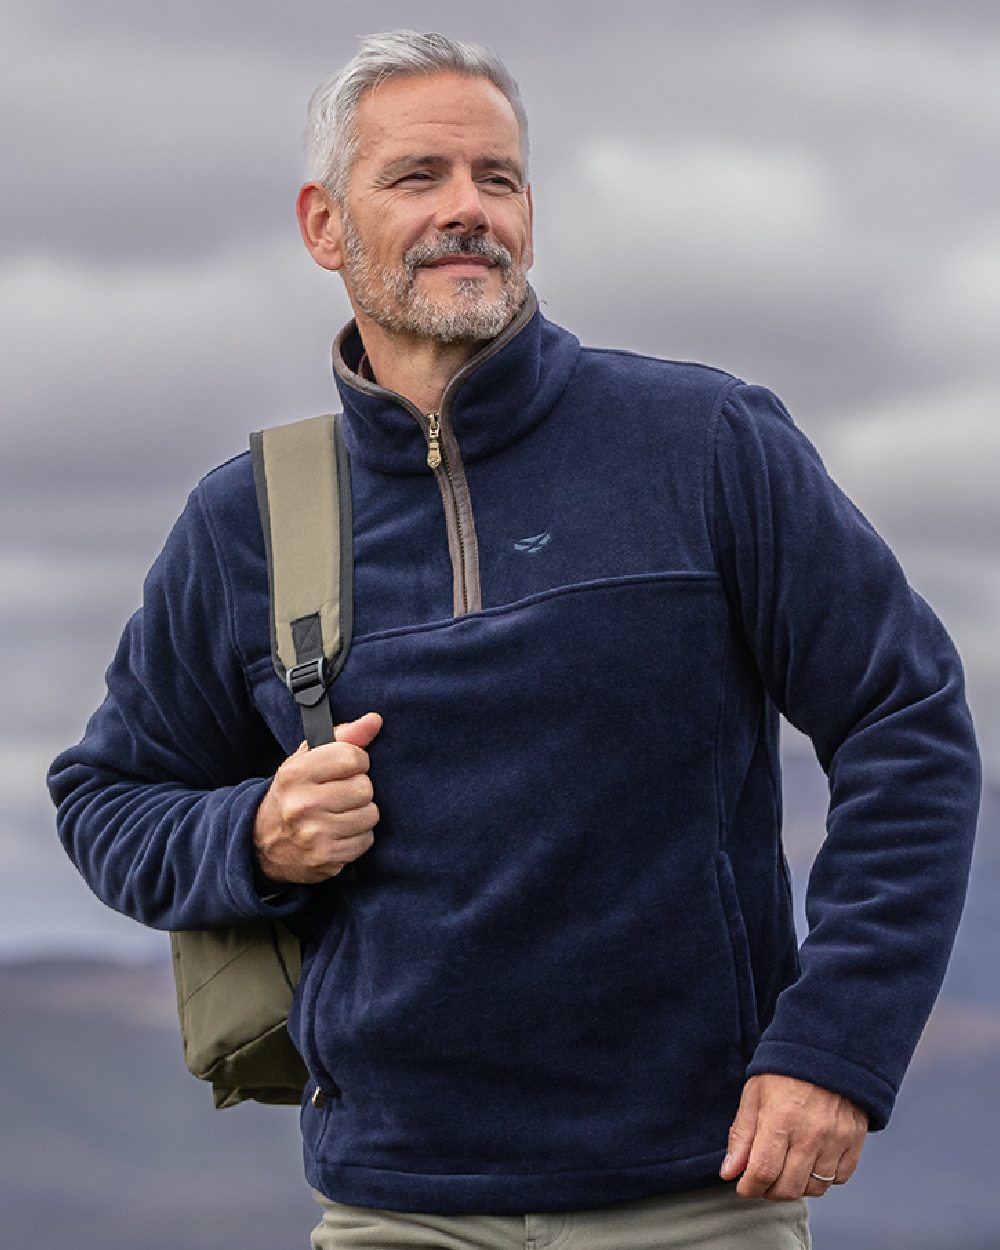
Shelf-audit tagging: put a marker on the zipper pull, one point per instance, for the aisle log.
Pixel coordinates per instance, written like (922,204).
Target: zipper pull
(433,443)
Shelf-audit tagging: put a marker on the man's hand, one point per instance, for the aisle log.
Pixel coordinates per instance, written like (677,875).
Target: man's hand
(318,814)
(785,1130)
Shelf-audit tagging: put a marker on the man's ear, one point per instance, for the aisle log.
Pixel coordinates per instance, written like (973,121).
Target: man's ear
(319,221)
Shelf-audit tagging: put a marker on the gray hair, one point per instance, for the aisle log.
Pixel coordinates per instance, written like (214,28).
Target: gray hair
(331,133)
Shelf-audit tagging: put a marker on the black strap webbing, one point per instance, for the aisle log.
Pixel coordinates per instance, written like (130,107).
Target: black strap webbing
(306,680)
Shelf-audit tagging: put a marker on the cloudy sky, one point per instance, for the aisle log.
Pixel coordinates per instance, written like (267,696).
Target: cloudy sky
(804,193)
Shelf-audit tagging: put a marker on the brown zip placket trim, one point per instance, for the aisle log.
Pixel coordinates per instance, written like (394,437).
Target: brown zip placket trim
(459,521)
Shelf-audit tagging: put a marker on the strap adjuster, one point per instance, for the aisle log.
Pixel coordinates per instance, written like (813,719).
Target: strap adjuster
(305,681)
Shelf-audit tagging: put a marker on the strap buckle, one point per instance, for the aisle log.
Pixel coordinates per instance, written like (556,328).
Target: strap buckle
(305,681)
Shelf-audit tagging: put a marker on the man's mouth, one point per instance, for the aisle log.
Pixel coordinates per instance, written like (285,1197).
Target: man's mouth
(460,265)
(458,258)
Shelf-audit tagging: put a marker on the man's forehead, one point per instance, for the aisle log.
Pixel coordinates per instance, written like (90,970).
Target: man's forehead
(431,110)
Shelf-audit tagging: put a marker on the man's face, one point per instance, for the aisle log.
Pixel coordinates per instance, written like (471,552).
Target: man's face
(436,218)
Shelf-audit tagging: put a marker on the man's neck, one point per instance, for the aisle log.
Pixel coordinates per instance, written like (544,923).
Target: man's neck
(417,368)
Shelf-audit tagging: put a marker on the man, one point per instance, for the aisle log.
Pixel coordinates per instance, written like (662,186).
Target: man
(558,999)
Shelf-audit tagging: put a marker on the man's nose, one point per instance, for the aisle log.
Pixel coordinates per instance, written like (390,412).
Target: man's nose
(461,207)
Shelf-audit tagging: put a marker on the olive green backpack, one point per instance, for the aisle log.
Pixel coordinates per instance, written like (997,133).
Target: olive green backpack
(235,986)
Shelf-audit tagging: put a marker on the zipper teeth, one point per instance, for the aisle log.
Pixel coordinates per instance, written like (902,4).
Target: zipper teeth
(443,463)
(460,534)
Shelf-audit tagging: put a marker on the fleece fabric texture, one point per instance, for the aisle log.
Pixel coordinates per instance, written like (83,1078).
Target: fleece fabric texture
(545,985)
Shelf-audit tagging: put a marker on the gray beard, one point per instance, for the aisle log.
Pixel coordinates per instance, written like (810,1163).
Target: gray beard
(390,298)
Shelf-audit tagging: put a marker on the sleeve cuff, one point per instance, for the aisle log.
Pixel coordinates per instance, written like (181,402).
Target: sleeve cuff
(871,1092)
(269,891)
(257,896)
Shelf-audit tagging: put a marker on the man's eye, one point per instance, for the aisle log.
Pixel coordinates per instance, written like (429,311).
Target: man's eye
(500,182)
(417,176)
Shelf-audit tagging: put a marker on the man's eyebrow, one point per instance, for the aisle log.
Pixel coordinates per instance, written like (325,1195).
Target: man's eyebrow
(502,163)
(408,162)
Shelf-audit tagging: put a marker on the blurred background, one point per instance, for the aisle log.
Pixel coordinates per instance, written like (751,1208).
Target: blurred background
(804,194)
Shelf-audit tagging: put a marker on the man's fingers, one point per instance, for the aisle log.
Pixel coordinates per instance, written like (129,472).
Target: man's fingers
(800,1132)
(353,849)
(821,1176)
(316,867)
(318,846)
(360,732)
(849,1161)
(741,1134)
(346,795)
(830,1170)
(342,758)
(319,811)
(768,1167)
(327,828)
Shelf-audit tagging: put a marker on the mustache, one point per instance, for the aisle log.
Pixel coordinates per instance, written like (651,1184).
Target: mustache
(456,245)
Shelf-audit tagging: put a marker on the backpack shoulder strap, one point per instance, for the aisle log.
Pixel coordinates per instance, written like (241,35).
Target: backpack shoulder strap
(302,476)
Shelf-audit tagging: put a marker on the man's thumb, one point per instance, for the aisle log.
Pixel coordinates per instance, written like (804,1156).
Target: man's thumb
(360,732)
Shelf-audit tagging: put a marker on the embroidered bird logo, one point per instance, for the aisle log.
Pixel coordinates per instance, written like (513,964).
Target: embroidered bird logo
(534,544)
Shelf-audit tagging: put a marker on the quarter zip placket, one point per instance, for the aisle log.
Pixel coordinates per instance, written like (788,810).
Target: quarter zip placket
(445,462)
(464,523)
(444,459)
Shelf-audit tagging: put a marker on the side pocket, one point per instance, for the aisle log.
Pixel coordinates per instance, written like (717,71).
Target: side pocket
(740,947)
(308,1010)
(315,1113)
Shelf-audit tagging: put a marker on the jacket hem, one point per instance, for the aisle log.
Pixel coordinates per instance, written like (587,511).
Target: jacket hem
(510,1193)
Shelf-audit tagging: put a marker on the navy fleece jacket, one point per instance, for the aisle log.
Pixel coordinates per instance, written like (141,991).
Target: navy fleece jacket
(544,986)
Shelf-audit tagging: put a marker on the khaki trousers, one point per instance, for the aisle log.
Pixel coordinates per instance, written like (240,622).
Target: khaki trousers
(708,1219)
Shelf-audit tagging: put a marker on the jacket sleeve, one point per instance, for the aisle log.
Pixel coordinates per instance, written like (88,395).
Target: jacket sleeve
(156,804)
(854,658)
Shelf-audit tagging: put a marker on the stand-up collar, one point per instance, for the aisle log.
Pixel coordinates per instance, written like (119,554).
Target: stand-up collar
(504,390)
